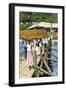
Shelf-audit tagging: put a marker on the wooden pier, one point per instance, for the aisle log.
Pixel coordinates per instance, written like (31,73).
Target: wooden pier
(40,66)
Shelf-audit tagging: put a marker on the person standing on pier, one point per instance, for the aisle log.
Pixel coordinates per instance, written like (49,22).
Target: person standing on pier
(43,45)
(29,56)
(46,44)
(37,50)
(25,46)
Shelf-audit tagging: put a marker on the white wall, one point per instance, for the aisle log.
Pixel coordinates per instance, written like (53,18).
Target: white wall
(4,43)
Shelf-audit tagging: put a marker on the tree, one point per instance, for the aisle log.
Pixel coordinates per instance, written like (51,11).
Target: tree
(28,17)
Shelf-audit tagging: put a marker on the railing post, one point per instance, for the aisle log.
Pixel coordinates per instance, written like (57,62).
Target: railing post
(35,65)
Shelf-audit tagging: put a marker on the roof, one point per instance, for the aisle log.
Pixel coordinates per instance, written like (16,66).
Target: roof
(44,25)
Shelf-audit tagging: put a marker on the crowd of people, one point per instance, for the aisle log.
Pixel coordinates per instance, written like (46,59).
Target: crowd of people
(34,45)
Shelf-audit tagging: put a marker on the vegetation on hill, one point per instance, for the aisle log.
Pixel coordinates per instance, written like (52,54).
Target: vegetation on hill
(26,18)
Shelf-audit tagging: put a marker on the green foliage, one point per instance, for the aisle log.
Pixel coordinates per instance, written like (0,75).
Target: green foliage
(30,17)
(23,26)
(46,17)
(25,16)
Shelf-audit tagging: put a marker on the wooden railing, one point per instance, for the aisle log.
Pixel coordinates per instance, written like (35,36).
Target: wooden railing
(39,69)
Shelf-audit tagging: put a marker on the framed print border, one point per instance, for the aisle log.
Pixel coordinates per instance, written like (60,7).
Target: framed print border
(12,43)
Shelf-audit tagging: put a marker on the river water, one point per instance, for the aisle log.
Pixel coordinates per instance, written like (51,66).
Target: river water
(54,60)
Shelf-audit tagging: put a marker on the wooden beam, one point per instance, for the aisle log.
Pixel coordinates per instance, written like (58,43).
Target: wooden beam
(42,70)
(47,67)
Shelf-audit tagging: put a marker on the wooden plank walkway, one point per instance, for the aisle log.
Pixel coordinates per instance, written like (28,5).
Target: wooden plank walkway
(24,71)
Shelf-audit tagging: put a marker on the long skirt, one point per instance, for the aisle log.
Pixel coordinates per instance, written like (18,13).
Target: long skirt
(29,59)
